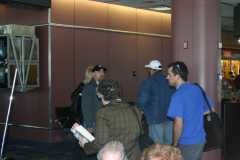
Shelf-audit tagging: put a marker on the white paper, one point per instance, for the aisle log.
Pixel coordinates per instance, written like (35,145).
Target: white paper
(81,131)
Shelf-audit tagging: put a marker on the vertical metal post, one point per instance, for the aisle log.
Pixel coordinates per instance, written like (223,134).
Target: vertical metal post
(8,113)
(50,112)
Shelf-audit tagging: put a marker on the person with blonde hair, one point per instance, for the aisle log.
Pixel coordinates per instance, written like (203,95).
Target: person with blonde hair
(88,75)
(76,98)
(161,152)
(90,102)
(76,95)
(113,150)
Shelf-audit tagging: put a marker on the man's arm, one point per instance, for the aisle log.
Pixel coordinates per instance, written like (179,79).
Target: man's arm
(177,130)
(87,105)
(143,95)
(101,135)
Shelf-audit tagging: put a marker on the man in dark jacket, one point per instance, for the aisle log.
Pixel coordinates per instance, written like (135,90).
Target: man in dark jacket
(90,101)
(153,98)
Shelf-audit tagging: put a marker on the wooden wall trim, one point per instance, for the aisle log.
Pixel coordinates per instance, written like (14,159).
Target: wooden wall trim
(26,126)
(106,30)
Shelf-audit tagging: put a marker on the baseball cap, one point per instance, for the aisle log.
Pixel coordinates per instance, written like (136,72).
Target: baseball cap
(98,67)
(154,64)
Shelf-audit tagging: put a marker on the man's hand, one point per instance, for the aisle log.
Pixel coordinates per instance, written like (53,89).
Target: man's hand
(82,141)
(91,130)
(75,125)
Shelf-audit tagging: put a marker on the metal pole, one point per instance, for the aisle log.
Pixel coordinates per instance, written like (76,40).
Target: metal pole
(8,113)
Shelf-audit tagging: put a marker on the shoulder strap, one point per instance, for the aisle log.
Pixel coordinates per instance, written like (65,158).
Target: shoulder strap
(205,97)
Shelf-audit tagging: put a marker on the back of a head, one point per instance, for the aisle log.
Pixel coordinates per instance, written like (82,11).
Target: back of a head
(113,150)
(110,89)
(161,152)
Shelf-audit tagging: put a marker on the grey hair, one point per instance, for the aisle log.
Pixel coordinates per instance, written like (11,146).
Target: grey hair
(113,147)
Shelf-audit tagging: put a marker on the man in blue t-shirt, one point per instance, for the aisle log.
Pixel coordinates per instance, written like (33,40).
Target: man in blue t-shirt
(187,108)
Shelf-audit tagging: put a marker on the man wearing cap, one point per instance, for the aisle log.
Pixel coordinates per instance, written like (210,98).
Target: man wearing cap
(90,101)
(153,98)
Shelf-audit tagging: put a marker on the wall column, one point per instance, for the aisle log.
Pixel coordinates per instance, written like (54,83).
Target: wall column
(196,33)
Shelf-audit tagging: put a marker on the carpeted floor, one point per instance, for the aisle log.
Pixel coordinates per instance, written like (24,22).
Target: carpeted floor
(67,150)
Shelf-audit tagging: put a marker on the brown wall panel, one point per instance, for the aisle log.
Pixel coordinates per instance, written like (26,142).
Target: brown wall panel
(122,18)
(122,62)
(96,14)
(90,48)
(3,12)
(63,65)
(91,13)
(31,108)
(165,24)
(149,48)
(63,11)
(26,15)
(153,22)
(167,52)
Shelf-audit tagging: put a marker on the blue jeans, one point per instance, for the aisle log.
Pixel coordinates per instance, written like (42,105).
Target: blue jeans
(162,132)
(192,151)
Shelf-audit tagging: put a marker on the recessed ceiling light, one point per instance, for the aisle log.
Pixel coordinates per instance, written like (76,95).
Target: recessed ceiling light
(161,8)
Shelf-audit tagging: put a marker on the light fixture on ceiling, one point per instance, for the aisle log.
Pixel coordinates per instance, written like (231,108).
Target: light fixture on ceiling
(161,8)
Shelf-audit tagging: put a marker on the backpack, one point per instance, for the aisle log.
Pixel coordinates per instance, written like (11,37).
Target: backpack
(76,98)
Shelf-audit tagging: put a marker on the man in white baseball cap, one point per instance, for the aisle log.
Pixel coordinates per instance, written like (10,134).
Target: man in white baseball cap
(153,99)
